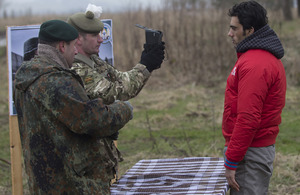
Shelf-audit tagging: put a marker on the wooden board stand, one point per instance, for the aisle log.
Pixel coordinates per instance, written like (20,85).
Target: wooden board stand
(16,156)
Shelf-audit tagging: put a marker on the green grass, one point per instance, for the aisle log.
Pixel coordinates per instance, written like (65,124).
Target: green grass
(185,122)
(288,141)
(172,123)
(5,176)
(190,124)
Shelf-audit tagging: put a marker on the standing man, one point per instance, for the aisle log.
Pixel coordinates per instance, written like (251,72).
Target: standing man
(254,99)
(59,124)
(103,80)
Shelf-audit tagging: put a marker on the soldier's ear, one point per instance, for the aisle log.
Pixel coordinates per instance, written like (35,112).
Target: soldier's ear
(61,46)
(79,39)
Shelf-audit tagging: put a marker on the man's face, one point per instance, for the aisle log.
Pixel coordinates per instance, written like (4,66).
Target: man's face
(236,31)
(89,44)
(70,52)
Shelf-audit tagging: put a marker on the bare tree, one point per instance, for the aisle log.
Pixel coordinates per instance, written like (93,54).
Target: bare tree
(3,4)
(5,14)
(298,5)
(287,11)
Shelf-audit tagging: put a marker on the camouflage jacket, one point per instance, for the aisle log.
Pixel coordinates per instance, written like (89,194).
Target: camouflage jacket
(60,128)
(105,81)
(101,80)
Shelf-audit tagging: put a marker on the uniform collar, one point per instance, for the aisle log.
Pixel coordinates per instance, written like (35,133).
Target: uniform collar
(85,59)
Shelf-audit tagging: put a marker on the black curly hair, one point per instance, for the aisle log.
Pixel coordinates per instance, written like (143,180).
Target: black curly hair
(250,14)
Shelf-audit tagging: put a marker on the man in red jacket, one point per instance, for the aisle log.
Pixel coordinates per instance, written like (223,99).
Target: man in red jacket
(254,99)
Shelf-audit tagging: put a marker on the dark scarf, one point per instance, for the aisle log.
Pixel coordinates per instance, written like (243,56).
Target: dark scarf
(264,38)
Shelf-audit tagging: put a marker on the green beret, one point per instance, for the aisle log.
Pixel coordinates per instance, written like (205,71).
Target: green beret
(86,23)
(57,30)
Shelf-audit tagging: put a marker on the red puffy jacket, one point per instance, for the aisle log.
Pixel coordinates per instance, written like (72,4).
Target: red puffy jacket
(254,99)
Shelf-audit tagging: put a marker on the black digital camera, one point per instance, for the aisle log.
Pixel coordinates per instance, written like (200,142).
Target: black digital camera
(152,36)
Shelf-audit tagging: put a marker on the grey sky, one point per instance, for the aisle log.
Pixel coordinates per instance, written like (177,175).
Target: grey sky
(21,7)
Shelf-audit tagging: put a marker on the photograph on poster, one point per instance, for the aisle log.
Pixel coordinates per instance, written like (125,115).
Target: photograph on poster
(21,41)
(22,45)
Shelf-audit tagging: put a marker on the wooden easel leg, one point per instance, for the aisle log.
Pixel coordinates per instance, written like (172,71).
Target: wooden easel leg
(16,156)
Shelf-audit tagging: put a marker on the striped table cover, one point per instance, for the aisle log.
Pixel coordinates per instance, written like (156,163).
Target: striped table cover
(193,175)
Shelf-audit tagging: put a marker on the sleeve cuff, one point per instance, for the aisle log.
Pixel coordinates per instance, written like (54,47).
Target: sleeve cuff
(144,70)
(230,165)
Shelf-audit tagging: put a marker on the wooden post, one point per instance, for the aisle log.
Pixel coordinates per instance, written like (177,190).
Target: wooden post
(15,141)
(16,156)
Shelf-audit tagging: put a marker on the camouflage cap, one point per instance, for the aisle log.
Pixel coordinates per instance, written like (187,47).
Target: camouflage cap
(57,30)
(87,22)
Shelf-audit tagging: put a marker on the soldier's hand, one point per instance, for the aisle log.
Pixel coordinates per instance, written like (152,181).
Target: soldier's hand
(153,56)
(148,47)
(131,108)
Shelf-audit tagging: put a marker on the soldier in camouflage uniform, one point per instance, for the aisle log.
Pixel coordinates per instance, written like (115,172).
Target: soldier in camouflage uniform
(59,124)
(100,78)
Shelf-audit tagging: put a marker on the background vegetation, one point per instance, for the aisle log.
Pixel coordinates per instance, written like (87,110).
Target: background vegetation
(179,112)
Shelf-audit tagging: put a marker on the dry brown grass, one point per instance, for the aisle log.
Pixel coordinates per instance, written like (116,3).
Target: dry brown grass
(286,175)
(196,42)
